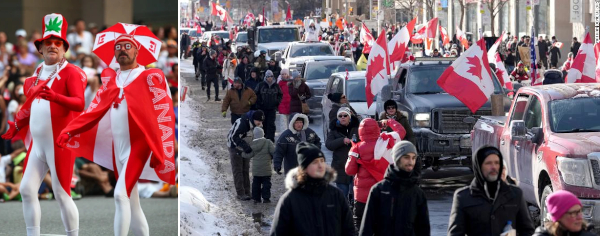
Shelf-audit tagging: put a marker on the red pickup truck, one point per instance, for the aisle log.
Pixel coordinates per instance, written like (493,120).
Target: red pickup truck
(550,140)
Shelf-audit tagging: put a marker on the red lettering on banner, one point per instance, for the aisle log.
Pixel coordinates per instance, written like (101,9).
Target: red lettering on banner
(152,46)
(161,117)
(166,131)
(101,39)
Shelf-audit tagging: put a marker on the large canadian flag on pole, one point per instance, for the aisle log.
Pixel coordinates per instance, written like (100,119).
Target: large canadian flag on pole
(444,35)
(378,68)
(419,36)
(462,38)
(399,43)
(583,69)
(366,39)
(469,78)
(502,74)
(494,48)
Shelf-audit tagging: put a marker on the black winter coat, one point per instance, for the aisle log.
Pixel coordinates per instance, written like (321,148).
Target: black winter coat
(275,69)
(285,148)
(269,96)
(239,130)
(542,231)
(199,59)
(473,214)
(243,71)
(554,54)
(211,67)
(396,206)
(335,143)
(314,208)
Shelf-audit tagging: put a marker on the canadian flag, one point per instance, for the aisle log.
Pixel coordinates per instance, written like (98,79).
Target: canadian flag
(462,38)
(444,35)
(494,48)
(469,78)
(248,19)
(583,69)
(502,74)
(432,28)
(213,8)
(366,39)
(219,11)
(378,68)
(419,36)
(597,51)
(397,46)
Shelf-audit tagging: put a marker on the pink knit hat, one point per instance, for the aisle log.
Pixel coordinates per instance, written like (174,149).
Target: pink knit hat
(559,202)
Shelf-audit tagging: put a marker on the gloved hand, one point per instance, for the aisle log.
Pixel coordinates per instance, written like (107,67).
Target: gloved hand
(48,94)
(12,130)
(302,97)
(278,170)
(62,140)
(248,150)
(155,162)
(224,114)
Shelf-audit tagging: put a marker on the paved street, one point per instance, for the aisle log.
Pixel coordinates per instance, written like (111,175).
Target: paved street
(96,215)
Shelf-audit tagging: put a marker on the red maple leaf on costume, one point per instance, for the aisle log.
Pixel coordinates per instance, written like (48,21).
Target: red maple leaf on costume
(476,67)
(579,61)
(399,47)
(374,68)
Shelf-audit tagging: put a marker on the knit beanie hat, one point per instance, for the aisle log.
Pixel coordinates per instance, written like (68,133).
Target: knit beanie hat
(307,153)
(268,73)
(559,202)
(402,148)
(258,115)
(335,97)
(258,132)
(390,103)
(295,74)
(344,110)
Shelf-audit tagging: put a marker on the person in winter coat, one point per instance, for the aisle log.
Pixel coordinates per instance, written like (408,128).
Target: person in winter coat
(391,112)
(575,46)
(543,51)
(362,165)
(339,140)
(397,205)
(240,167)
(239,99)
(269,96)
(262,154)
(519,74)
(566,215)
(274,67)
(202,54)
(253,80)
(487,205)
(509,61)
(283,80)
(195,48)
(299,92)
(285,149)
(242,70)
(261,61)
(567,65)
(229,70)
(311,205)
(212,66)
(554,56)
(339,100)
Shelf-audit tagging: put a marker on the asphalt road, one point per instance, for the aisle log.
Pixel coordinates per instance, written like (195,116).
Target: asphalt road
(96,215)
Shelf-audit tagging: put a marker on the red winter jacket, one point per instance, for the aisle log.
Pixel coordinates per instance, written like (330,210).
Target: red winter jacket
(364,150)
(284,105)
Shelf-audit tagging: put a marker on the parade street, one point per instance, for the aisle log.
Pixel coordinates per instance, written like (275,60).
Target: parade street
(439,186)
(96,216)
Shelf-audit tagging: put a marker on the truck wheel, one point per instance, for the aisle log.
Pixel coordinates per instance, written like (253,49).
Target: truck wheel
(543,211)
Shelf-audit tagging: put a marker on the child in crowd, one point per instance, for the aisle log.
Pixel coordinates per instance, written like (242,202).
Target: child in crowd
(262,154)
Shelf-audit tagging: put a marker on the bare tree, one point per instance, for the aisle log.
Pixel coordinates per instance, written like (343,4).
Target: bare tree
(494,6)
(463,6)
(429,4)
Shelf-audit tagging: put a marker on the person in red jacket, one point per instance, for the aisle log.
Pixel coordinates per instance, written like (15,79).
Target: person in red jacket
(283,80)
(362,163)
(54,97)
(519,74)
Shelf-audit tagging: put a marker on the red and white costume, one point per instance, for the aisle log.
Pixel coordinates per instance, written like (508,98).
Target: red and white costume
(40,121)
(129,127)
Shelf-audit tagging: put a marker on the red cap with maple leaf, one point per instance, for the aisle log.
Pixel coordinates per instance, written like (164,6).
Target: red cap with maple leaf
(53,25)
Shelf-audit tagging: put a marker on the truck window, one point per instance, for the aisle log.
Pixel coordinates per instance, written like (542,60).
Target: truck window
(311,50)
(574,115)
(519,107)
(422,80)
(334,85)
(533,117)
(270,35)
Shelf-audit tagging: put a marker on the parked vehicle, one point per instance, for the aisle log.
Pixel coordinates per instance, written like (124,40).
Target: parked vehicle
(317,71)
(273,38)
(296,53)
(441,123)
(550,140)
(206,36)
(241,40)
(353,88)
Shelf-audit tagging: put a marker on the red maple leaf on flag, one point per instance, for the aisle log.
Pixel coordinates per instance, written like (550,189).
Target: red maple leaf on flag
(399,47)
(476,66)
(579,61)
(375,67)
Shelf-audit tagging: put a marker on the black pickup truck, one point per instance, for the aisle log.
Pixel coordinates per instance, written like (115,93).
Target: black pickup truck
(441,123)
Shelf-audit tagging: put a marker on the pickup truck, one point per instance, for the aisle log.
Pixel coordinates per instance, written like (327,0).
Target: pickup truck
(441,123)
(550,141)
(273,38)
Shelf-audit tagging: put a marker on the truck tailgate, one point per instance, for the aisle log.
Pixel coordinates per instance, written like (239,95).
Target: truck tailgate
(487,131)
